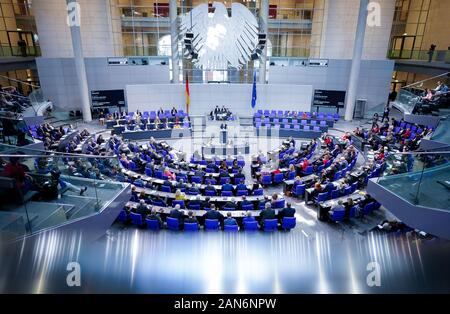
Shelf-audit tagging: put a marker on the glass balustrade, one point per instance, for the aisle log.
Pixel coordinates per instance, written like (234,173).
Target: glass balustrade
(409,99)
(421,179)
(442,134)
(57,189)
(420,55)
(406,101)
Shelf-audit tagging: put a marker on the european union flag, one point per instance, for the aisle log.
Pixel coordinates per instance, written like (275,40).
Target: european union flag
(254,90)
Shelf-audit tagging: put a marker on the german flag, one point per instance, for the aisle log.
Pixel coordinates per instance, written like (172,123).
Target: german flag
(188,95)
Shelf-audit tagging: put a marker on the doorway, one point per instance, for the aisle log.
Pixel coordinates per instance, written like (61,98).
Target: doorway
(402,47)
(28,37)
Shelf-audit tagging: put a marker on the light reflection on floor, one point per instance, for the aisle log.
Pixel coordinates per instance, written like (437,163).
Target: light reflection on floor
(132,260)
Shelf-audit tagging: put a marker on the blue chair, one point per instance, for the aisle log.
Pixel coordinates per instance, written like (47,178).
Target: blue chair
(152,224)
(173,224)
(136,219)
(270,224)
(278,204)
(210,193)
(194,206)
(334,194)
(354,187)
(266,180)
(338,216)
(322,197)
(189,192)
(178,202)
(309,170)
(291,175)
(211,224)
(250,226)
(191,226)
(166,188)
(227,193)
(337,176)
(132,165)
(300,190)
(224,180)
(148,172)
(368,208)
(123,216)
(231,228)
(159,174)
(288,223)
(228,209)
(195,179)
(348,190)
(241,192)
(353,211)
(258,192)
(278,178)
(376,206)
(247,207)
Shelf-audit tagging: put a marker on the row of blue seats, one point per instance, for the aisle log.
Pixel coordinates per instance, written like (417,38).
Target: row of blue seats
(203,162)
(294,122)
(194,179)
(286,113)
(150,126)
(333,194)
(287,223)
(153,114)
(338,216)
(278,204)
(297,127)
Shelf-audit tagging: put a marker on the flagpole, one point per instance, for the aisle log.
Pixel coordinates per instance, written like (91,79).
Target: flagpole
(187,94)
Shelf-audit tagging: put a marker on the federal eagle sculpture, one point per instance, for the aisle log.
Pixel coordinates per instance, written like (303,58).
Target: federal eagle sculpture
(221,41)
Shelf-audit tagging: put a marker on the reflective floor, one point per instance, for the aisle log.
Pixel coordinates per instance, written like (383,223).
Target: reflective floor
(132,260)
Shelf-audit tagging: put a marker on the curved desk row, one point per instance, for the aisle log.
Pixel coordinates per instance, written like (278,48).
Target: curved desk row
(201,212)
(289,126)
(147,134)
(212,199)
(269,132)
(159,182)
(193,168)
(291,120)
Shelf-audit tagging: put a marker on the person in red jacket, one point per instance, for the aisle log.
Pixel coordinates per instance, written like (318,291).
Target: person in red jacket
(305,164)
(406,134)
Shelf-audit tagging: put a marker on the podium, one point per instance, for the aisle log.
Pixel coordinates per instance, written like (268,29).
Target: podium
(223,136)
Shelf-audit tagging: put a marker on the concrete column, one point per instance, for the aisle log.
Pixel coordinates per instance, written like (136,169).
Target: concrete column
(77,45)
(174,40)
(356,61)
(263,28)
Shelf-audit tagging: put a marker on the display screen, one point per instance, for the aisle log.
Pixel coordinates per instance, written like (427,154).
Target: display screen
(329,98)
(108,98)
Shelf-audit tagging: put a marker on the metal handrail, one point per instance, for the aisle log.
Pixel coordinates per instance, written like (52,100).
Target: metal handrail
(19,81)
(428,79)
